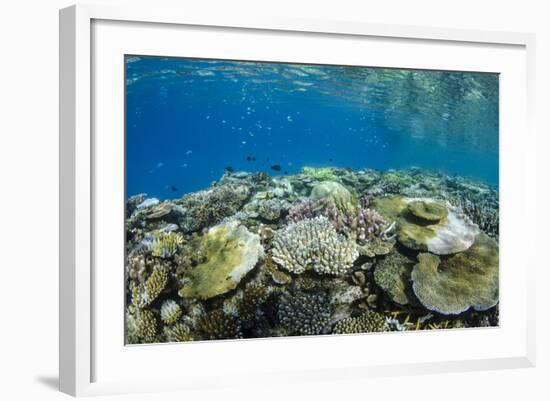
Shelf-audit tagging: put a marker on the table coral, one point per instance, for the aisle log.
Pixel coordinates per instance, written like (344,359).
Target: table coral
(463,281)
(230,251)
(313,244)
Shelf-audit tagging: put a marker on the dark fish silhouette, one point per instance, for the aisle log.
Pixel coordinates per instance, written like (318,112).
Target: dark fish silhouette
(173,188)
(330,159)
(229,169)
(251,158)
(276,167)
(286,172)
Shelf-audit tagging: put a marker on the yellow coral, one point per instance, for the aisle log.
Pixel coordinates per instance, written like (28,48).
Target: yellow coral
(166,244)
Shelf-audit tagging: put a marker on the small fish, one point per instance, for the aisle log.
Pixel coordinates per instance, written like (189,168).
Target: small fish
(331,159)
(250,158)
(276,167)
(286,172)
(229,169)
(188,152)
(173,188)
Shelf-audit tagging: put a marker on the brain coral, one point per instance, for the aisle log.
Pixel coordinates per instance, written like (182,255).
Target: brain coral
(465,280)
(304,314)
(451,234)
(231,251)
(368,322)
(313,244)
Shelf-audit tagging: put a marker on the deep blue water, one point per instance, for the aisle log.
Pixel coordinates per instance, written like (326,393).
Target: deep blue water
(188,120)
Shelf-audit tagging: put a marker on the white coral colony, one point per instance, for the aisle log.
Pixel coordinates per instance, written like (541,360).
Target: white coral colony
(313,244)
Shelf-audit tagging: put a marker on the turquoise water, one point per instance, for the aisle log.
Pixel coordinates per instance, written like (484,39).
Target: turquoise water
(187,121)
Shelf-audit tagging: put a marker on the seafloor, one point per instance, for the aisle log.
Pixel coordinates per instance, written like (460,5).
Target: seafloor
(326,251)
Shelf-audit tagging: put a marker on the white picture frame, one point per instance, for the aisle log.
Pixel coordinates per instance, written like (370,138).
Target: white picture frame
(81,343)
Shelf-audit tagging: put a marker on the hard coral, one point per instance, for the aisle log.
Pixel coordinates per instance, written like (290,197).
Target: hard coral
(313,244)
(304,314)
(368,322)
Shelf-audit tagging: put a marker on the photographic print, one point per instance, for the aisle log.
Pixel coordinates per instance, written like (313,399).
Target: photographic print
(280,199)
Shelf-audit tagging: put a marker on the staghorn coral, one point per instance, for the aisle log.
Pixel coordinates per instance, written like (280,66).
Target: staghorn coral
(313,244)
(304,314)
(170,312)
(179,332)
(230,252)
(166,244)
(216,325)
(145,293)
(463,281)
(205,208)
(368,322)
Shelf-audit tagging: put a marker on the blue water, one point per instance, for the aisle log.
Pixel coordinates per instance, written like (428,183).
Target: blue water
(188,120)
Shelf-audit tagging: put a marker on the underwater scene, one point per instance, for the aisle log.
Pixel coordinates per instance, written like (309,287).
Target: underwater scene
(280,199)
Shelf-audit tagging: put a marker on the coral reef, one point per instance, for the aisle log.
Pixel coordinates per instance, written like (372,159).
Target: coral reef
(304,314)
(313,244)
(462,281)
(328,250)
(368,322)
(230,252)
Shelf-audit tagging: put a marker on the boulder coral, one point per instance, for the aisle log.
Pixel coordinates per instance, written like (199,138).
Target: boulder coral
(460,282)
(313,244)
(339,194)
(230,252)
(393,274)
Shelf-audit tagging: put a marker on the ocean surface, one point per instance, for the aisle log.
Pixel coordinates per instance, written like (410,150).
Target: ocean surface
(189,120)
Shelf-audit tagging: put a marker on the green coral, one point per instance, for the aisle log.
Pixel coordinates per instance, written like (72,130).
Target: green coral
(170,312)
(144,294)
(368,322)
(462,281)
(216,325)
(320,174)
(179,332)
(428,211)
(230,251)
(145,326)
(166,245)
(392,274)
(344,200)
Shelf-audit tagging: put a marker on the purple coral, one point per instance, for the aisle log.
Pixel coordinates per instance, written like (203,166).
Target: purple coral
(362,223)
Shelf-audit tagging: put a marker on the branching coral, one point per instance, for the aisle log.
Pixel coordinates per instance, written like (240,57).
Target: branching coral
(170,312)
(217,325)
(141,326)
(178,333)
(166,244)
(313,244)
(361,224)
(145,293)
(368,322)
(304,314)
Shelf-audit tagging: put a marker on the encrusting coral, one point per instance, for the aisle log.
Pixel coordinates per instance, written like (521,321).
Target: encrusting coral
(230,252)
(313,244)
(368,322)
(463,281)
(304,314)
